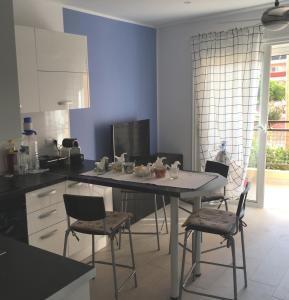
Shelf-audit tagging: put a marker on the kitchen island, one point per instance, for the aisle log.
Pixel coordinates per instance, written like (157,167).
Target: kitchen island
(30,273)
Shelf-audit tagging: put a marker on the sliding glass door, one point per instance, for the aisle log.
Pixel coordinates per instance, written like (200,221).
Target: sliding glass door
(269,160)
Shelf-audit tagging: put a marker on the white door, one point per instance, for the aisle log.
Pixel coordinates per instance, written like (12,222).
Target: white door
(26,66)
(58,51)
(63,90)
(257,164)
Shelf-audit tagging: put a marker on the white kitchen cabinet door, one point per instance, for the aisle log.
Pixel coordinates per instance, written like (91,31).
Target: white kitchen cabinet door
(26,65)
(106,193)
(50,239)
(58,51)
(45,217)
(63,90)
(45,197)
(78,188)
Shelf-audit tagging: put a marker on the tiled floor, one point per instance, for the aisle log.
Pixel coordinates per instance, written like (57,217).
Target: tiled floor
(267,246)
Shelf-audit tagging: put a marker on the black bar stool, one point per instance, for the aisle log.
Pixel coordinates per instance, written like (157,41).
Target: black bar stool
(219,222)
(94,220)
(213,167)
(129,195)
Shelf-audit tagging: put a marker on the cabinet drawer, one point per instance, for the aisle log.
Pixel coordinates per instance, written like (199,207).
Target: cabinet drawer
(63,90)
(45,197)
(50,239)
(46,217)
(86,189)
(106,193)
(78,188)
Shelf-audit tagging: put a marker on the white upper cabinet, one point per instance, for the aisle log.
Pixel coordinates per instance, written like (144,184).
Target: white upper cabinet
(63,90)
(27,69)
(58,51)
(52,70)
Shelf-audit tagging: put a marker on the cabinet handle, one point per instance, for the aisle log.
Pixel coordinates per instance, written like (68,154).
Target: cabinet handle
(47,214)
(48,235)
(65,102)
(47,193)
(74,184)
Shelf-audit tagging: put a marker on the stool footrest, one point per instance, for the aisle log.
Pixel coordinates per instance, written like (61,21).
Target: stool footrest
(213,249)
(220,265)
(206,295)
(110,264)
(126,280)
(189,274)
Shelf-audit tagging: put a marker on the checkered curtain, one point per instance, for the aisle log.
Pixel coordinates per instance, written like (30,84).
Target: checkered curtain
(226,78)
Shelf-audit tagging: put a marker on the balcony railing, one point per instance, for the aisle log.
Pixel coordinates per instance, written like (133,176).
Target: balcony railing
(277,146)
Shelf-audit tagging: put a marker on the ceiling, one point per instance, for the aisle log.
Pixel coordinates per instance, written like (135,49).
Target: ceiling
(160,12)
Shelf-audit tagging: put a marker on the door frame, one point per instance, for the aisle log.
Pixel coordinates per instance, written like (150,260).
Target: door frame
(264,100)
(262,127)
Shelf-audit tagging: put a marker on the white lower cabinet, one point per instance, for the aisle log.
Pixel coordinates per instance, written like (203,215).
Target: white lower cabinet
(47,221)
(46,217)
(50,239)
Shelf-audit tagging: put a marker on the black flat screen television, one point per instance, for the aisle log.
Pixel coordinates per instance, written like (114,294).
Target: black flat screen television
(132,138)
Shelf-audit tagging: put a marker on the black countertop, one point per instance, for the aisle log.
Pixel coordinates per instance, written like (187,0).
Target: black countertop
(30,273)
(23,184)
(27,183)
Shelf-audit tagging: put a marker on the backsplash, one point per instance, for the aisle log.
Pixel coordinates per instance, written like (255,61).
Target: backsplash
(48,125)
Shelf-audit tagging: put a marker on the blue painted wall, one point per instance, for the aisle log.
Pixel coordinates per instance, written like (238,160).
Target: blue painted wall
(122,69)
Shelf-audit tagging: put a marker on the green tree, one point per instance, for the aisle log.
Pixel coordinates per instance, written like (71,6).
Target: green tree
(277,91)
(275,113)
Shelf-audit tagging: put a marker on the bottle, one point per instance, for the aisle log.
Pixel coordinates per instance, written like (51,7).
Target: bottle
(30,145)
(11,158)
(22,161)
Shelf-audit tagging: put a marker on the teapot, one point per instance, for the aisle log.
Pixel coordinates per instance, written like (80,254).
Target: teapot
(143,171)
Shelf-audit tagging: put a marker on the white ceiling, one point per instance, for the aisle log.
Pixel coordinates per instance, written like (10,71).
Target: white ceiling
(160,12)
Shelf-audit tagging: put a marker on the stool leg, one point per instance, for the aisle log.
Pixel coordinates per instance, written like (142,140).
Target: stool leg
(244,255)
(113,267)
(165,214)
(183,265)
(132,253)
(170,243)
(123,209)
(194,250)
(157,223)
(93,249)
(232,242)
(226,204)
(65,242)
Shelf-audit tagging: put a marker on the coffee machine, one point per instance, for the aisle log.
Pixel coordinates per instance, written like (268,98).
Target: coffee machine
(70,149)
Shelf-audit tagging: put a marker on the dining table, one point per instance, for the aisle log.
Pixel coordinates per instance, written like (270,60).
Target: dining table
(189,184)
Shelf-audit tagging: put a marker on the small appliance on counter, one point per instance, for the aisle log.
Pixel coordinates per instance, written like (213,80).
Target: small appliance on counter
(67,144)
(52,162)
(71,150)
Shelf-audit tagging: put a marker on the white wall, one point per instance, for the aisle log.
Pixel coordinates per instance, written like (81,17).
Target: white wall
(175,77)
